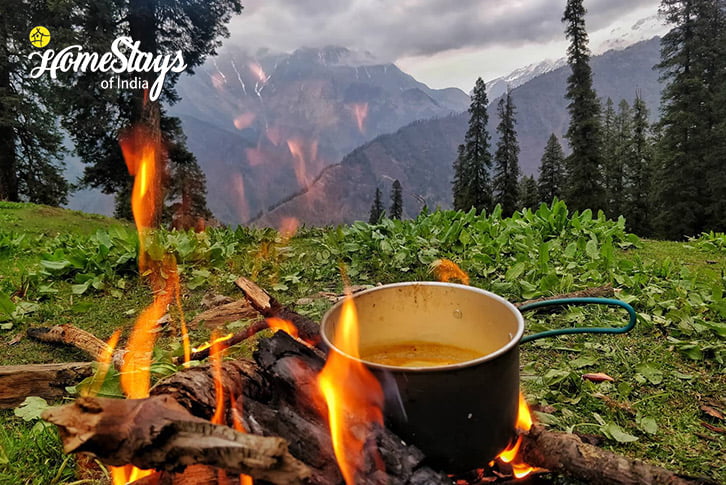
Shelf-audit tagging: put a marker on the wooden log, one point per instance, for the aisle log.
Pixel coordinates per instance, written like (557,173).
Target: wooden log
(158,433)
(566,454)
(48,381)
(269,307)
(68,334)
(222,314)
(278,396)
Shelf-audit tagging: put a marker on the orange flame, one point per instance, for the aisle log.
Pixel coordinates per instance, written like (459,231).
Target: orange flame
(360,113)
(244,120)
(300,162)
(284,325)
(509,455)
(259,73)
(446,270)
(215,355)
(238,191)
(353,396)
(212,342)
(239,426)
(104,363)
(141,149)
(288,227)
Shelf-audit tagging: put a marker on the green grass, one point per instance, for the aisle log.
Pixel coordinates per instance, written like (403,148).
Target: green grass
(664,370)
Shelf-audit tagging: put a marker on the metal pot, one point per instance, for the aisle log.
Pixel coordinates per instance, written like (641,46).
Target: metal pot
(460,415)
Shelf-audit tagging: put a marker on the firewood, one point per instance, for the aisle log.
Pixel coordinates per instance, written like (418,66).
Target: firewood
(48,381)
(222,314)
(157,432)
(566,454)
(269,307)
(68,334)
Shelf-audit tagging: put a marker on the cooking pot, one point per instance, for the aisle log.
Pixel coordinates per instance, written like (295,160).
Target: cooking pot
(460,415)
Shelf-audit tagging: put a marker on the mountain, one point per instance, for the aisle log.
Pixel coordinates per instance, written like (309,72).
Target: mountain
(421,154)
(497,87)
(263,126)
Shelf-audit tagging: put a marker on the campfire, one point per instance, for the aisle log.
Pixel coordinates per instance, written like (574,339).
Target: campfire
(308,409)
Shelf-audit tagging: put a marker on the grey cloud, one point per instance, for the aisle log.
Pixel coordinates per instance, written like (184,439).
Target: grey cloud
(397,28)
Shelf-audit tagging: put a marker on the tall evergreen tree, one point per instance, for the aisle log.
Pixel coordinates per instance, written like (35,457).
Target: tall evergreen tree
(716,159)
(30,143)
(396,200)
(609,148)
(614,165)
(551,171)
(472,185)
(528,193)
(584,182)
(693,59)
(506,158)
(377,211)
(638,172)
(95,117)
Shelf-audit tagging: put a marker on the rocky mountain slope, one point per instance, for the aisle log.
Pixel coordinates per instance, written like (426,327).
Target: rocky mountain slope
(421,155)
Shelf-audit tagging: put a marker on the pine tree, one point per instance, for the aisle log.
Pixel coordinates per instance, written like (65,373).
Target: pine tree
(31,168)
(528,193)
(716,183)
(638,173)
(186,194)
(688,167)
(377,211)
(95,117)
(614,166)
(609,148)
(472,186)
(551,171)
(506,158)
(584,182)
(396,200)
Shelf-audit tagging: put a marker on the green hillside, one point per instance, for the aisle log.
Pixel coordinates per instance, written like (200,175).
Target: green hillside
(58,267)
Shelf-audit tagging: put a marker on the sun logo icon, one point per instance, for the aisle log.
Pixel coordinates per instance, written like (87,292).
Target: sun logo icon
(39,36)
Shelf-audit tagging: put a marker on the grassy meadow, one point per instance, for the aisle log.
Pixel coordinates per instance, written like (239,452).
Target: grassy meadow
(58,266)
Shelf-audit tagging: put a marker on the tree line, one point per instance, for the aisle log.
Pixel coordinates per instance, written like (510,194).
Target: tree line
(667,179)
(36,113)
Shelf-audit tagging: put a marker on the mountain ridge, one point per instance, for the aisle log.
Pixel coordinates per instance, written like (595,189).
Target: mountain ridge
(541,110)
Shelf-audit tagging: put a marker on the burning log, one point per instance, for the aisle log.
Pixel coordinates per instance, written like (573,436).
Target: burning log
(278,397)
(269,307)
(159,433)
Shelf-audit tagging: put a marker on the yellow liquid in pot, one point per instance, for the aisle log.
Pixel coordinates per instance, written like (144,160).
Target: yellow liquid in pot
(419,354)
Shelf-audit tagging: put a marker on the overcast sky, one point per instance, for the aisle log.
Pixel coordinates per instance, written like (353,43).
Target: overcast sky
(440,42)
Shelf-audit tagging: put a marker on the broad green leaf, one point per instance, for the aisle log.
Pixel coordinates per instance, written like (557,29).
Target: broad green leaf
(652,373)
(55,265)
(648,425)
(7,307)
(80,289)
(31,408)
(591,249)
(515,271)
(583,361)
(613,431)
(4,460)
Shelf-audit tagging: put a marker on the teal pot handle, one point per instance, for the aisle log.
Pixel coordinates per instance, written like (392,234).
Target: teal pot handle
(632,317)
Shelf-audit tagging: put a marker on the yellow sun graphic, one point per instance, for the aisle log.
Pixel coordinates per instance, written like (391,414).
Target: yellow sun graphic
(39,36)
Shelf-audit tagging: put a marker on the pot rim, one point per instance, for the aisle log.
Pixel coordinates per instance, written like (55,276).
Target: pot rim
(326,326)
